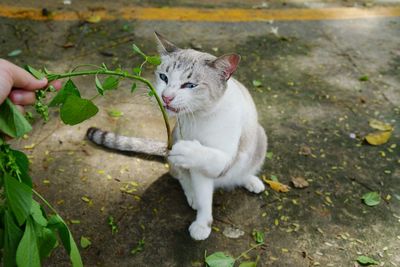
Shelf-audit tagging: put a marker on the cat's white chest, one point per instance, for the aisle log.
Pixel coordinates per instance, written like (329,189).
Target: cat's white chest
(221,129)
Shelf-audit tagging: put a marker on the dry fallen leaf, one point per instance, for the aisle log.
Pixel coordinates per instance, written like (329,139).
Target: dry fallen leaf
(305,150)
(231,232)
(277,186)
(93,19)
(379,125)
(378,138)
(299,182)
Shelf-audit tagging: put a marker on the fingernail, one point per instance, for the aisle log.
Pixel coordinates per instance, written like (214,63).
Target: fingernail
(17,98)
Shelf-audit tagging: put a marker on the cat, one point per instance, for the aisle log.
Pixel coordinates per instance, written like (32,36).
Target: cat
(218,142)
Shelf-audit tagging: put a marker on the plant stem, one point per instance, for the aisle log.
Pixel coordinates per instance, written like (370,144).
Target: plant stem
(44,201)
(247,251)
(125,75)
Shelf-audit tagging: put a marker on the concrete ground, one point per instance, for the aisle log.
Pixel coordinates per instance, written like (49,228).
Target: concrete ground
(312,103)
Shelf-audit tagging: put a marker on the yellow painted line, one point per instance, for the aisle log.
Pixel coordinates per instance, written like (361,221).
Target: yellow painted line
(201,14)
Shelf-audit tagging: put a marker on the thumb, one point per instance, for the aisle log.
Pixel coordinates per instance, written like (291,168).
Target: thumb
(22,79)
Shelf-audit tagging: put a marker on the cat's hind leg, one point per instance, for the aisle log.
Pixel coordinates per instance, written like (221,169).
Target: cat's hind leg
(183,176)
(187,187)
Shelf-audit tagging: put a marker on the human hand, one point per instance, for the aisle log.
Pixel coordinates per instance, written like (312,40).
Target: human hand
(19,85)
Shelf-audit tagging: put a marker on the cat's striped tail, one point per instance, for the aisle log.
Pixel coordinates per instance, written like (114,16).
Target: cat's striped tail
(124,143)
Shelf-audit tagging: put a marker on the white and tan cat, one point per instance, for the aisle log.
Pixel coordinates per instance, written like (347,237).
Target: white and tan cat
(218,141)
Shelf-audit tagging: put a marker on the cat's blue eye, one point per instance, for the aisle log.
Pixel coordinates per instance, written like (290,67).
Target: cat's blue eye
(188,85)
(164,77)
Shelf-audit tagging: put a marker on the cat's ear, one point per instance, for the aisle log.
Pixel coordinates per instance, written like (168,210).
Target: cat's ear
(165,46)
(226,64)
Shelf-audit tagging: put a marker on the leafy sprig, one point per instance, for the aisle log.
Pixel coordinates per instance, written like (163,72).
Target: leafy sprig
(28,233)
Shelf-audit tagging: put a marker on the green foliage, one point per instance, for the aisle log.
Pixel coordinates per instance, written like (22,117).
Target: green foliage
(68,89)
(258,237)
(19,197)
(36,73)
(139,247)
(371,199)
(12,122)
(76,109)
(154,60)
(110,83)
(85,242)
(113,225)
(365,261)
(28,251)
(57,223)
(257,83)
(133,88)
(12,237)
(27,234)
(219,259)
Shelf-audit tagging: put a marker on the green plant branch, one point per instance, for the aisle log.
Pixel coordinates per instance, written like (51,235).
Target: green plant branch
(44,201)
(53,76)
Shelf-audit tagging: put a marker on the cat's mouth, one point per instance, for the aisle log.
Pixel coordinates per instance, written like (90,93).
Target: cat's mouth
(175,110)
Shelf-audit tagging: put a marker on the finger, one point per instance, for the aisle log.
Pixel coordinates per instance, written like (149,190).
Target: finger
(57,84)
(5,87)
(21,78)
(22,97)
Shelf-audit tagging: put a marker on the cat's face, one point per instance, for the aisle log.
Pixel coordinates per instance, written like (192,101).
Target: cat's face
(190,81)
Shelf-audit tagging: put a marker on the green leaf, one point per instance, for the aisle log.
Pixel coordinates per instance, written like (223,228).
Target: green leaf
(37,214)
(138,248)
(274,178)
(114,226)
(154,60)
(150,93)
(137,71)
(257,83)
(269,155)
(76,109)
(12,238)
(133,88)
(138,51)
(12,122)
(115,113)
(23,164)
(47,240)
(110,83)
(28,251)
(364,260)
(219,259)
(85,242)
(19,197)
(56,222)
(248,264)
(258,236)
(363,78)
(68,89)
(99,86)
(371,199)
(36,73)
(14,53)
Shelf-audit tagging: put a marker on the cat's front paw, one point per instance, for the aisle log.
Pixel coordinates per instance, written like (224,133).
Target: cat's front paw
(254,184)
(199,231)
(185,154)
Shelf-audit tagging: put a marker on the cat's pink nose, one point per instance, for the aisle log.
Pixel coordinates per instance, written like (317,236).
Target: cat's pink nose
(167,99)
